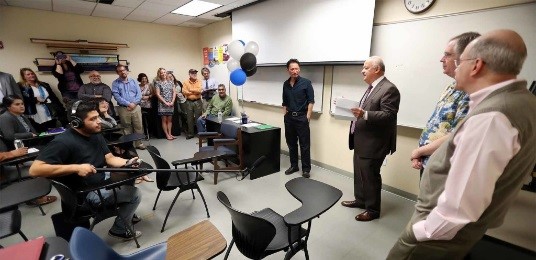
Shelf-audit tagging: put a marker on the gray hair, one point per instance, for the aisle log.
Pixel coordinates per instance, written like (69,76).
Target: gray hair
(499,55)
(377,62)
(463,40)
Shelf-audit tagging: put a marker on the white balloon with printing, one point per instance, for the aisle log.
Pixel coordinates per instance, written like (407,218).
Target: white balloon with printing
(233,64)
(252,47)
(236,49)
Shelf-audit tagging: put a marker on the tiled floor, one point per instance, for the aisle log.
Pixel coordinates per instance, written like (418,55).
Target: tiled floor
(335,235)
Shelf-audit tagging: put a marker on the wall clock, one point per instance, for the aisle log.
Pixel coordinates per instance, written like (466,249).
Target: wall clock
(418,6)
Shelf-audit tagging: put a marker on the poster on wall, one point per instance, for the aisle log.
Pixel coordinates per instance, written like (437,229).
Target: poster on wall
(215,55)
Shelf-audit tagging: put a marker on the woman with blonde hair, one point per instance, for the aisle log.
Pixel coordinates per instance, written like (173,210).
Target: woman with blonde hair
(165,92)
(41,104)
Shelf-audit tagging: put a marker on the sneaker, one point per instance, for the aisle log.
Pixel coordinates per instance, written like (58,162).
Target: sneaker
(141,147)
(135,219)
(124,236)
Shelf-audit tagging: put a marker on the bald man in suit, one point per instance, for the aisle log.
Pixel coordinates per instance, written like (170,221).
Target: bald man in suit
(372,136)
(8,86)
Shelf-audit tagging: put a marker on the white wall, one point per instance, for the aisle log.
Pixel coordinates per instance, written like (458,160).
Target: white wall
(150,45)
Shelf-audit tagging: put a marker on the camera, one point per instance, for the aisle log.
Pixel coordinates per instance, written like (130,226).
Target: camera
(61,56)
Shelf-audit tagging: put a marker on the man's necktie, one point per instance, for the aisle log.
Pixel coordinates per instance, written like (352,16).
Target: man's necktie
(365,96)
(363,99)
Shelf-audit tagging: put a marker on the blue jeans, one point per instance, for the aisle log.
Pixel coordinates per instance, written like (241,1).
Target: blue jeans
(201,124)
(128,199)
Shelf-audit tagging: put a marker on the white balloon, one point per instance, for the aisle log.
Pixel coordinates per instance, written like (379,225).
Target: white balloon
(252,47)
(236,49)
(232,65)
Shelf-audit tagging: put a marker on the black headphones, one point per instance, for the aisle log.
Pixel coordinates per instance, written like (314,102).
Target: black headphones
(76,121)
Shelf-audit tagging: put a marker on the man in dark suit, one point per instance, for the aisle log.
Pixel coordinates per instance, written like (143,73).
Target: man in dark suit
(372,137)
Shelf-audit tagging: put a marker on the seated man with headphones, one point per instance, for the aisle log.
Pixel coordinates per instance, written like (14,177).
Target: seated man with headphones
(72,157)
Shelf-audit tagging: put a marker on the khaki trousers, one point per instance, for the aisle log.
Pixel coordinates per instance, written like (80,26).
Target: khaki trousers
(131,121)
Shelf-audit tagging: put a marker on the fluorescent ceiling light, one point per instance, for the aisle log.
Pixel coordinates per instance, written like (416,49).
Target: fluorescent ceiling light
(195,8)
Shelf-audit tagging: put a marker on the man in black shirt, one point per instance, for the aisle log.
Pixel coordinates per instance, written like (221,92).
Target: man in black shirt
(298,101)
(72,157)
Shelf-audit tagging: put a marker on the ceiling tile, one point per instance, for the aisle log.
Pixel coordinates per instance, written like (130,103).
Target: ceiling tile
(112,11)
(190,24)
(73,7)
(201,20)
(221,2)
(152,11)
(157,8)
(127,3)
(141,16)
(173,19)
(175,3)
(35,4)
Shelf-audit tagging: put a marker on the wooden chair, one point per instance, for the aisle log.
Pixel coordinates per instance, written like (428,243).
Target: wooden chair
(228,140)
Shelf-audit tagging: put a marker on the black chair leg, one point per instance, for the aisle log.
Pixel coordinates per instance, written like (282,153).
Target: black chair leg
(92,225)
(193,195)
(23,236)
(306,252)
(130,229)
(157,196)
(229,249)
(42,211)
(169,210)
(204,202)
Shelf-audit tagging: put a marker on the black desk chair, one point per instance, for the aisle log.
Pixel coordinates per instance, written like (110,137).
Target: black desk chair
(261,233)
(15,194)
(10,223)
(76,209)
(166,181)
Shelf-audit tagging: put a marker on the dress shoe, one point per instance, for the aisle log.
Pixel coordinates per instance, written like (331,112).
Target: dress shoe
(291,170)
(353,204)
(306,174)
(367,216)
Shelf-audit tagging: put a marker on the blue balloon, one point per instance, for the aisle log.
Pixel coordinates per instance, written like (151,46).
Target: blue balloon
(238,77)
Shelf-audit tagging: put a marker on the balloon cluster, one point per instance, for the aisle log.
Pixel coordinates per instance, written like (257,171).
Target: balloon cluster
(244,61)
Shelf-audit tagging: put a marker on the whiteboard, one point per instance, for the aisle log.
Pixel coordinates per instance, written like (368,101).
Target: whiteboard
(309,30)
(412,50)
(266,86)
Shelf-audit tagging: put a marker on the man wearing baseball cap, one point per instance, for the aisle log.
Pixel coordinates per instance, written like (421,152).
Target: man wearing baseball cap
(194,107)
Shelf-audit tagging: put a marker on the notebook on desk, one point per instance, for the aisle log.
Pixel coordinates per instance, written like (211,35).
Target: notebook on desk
(30,250)
(263,127)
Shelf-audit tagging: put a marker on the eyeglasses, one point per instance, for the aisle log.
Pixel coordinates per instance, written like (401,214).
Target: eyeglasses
(94,76)
(457,63)
(221,90)
(447,54)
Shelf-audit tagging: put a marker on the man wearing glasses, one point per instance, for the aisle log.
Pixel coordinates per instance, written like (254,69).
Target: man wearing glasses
(128,95)
(96,89)
(475,175)
(218,103)
(450,109)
